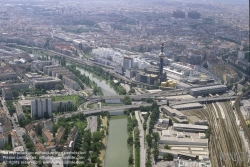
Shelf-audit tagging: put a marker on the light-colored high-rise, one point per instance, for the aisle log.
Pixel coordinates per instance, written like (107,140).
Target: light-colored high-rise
(128,62)
(40,107)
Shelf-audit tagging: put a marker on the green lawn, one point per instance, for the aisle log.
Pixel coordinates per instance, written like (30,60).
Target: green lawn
(90,106)
(104,104)
(66,98)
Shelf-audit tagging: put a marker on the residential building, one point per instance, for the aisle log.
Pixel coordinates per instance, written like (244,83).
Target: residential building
(59,134)
(194,15)
(8,76)
(48,124)
(65,104)
(71,140)
(45,83)
(225,72)
(5,129)
(41,107)
(7,93)
(70,83)
(178,14)
(48,137)
(13,85)
(4,137)
(19,112)
(5,122)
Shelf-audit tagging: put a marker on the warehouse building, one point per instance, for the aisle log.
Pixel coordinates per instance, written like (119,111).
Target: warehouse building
(183,141)
(187,106)
(173,112)
(208,90)
(189,128)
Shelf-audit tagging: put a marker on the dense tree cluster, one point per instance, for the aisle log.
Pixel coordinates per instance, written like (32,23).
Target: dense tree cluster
(127,100)
(91,144)
(59,87)
(168,157)
(82,78)
(132,129)
(10,106)
(97,70)
(154,116)
(28,143)
(132,90)
(118,88)
(137,147)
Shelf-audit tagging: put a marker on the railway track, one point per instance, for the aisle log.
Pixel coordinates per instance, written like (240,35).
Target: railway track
(241,118)
(225,136)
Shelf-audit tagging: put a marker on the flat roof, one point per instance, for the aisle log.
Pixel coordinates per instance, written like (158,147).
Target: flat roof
(190,126)
(24,102)
(154,91)
(186,140)
(173,111)
(189,105)
(209,87)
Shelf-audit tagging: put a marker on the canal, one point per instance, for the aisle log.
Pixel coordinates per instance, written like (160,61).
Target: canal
(117,152)
(106,88)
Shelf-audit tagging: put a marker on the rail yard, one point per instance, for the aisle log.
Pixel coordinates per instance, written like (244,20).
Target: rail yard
(226,146)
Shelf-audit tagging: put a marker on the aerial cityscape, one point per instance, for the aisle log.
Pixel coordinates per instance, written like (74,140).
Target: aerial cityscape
(122,83)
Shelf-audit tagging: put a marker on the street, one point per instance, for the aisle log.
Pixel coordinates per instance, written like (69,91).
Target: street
(20,132)
(142,144)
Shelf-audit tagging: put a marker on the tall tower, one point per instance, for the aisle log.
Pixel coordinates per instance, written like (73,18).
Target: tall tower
(161,56)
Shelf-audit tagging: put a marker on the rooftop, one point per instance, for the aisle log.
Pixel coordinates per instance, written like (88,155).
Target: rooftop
(190,126)
(190,105)
(209,88)
(24,102)
(48,134)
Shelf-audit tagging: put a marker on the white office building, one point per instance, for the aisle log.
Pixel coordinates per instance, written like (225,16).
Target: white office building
(40,107)
(128,62)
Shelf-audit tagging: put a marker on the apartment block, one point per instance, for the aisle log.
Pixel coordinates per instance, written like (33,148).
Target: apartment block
(7,93)
(70,83)
(40,107)
(59,134)
(48,137)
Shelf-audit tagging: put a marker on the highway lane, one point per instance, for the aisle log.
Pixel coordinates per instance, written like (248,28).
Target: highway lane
(208,99)
(93,127)
(109,108)
(115,108)
(145,95)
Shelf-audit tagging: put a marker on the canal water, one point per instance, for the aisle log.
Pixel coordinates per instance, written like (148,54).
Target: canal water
(106,88)
(117,152)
